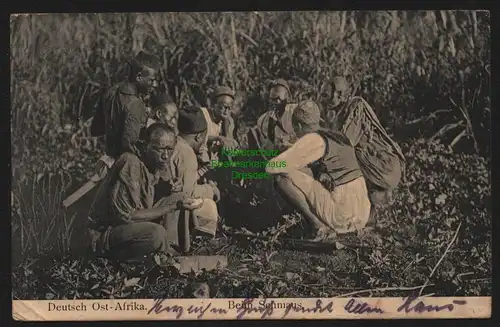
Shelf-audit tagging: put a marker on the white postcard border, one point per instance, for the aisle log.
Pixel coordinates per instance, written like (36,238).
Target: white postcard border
(253,309)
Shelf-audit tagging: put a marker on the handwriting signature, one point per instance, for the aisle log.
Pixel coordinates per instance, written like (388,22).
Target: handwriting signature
(421,307)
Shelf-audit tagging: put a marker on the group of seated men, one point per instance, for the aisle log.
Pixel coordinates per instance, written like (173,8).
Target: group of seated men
(161,156)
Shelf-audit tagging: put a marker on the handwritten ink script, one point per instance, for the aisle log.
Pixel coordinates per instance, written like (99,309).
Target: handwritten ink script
(179,310)
(268,308)
(359,307)
(420,307)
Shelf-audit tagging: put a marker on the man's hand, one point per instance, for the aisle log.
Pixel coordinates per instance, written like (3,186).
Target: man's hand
(284,145)
(228,117)
(191,204)
(228,124)
(216,190)
(176,185)
(228,143)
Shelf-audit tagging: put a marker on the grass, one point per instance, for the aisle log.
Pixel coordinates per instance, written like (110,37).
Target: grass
(428,81)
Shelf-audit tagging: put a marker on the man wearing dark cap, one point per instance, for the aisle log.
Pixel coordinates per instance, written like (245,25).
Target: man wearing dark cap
(335,200)
(220,124)
(274,130)
(123,213)
(192,129)
(123,112)
(380,157)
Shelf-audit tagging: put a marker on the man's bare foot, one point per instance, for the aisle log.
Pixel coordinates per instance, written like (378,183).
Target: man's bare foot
(325,235)
(165,260)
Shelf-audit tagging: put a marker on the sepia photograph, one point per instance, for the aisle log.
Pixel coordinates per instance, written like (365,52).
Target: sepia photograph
(256,158)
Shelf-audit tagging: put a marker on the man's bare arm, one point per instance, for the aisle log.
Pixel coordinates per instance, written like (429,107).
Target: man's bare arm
(127,200)
(153,213)
(228,127)
(306,150)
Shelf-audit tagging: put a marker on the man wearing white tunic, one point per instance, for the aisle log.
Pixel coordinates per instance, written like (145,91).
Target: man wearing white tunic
(220,125)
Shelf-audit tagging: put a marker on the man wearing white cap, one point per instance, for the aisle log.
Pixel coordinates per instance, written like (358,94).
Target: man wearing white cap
(220,124)
(274,130)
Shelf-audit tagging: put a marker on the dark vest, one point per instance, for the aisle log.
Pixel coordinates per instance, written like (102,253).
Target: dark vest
(339,164)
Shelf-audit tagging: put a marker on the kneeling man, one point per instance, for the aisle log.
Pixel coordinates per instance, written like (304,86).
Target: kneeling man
(336,199)
(123,212)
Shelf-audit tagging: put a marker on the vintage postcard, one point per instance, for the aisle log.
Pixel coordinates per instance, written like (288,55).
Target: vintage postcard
(251,165)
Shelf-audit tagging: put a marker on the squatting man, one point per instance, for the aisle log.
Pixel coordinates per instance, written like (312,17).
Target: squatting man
(124,211)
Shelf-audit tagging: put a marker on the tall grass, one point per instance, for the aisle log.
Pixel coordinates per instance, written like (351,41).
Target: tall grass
(39,225)
(407,64)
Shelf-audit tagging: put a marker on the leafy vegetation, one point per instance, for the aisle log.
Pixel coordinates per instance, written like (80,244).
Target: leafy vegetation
(427,78)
